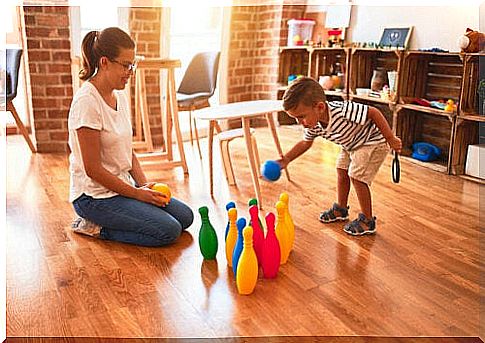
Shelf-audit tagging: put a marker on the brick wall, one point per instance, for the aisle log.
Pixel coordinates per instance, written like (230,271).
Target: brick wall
(145,30)
(253,52)
(49,56)
(256,33)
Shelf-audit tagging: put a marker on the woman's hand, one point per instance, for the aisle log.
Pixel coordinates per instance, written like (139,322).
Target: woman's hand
(148,195)
(396,144)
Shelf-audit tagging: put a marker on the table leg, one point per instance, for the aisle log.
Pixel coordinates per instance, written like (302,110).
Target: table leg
(274,133)
(210,138)
(252,162)
(175,119)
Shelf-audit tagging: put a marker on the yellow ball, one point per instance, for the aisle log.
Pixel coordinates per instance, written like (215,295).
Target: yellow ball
(162,188)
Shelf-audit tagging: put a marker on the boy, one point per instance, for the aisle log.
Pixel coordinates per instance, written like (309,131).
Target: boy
(362,132)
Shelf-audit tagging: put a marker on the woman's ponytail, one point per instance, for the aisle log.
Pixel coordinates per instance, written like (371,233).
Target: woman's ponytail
(90,58)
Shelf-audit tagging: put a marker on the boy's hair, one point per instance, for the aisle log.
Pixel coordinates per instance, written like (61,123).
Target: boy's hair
(303,90)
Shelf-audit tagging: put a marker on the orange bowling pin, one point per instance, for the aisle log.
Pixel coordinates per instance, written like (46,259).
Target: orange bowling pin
(231,235)
(282,231)
(247,267)
(289,222)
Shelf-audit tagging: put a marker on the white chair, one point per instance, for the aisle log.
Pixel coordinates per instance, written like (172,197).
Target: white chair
(225,137)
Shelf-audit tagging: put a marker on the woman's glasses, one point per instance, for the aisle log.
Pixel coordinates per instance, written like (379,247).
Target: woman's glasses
(126,66)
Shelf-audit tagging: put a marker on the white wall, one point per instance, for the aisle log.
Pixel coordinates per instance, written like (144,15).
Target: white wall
(482,16)
(434,26)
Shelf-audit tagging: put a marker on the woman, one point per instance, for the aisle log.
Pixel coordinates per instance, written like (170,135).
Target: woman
(109,190)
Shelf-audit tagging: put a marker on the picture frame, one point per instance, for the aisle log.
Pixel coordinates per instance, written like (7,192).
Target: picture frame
(396,37)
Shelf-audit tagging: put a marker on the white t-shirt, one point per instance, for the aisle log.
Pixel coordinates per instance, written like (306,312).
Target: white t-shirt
(88,109)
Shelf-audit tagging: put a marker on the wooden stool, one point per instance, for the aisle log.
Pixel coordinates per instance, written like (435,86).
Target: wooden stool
(159,159)
(225,137)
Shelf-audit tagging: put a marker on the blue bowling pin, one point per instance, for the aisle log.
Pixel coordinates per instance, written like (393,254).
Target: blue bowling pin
(241,224)
(229,205)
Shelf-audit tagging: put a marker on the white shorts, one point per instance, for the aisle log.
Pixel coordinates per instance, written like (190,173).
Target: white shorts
(363,163)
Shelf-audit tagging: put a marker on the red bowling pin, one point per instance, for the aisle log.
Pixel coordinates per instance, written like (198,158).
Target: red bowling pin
(271,249)
(258,236)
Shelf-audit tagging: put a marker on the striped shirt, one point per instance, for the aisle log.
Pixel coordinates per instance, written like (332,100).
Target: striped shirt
(348,126)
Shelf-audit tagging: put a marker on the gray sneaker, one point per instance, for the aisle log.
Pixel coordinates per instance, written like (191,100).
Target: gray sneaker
(86,227)
(361,226)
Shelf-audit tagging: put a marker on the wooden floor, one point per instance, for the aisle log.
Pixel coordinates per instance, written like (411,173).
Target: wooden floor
(418,276)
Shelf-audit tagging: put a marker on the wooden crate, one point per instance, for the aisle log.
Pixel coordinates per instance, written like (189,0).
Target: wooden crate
(469,99)
(429,75)
(363,62)
(466,133)
(323,61)
(417,126)
(293,61)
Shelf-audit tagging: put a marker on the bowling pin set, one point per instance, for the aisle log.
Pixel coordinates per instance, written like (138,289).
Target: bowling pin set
(248,245)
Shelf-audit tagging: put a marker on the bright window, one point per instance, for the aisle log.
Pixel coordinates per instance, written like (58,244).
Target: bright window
(194,29)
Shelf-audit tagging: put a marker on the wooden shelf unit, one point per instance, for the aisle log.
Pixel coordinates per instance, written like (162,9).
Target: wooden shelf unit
(470,115)
(469,99)
(362,64)
(420,74)
(432,76)
(293,61)
(413,125)
(322,62)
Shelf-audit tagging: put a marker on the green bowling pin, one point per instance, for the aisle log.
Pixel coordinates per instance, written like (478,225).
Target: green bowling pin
(207,236)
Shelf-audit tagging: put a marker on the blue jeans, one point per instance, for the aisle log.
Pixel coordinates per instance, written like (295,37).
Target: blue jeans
(132,221)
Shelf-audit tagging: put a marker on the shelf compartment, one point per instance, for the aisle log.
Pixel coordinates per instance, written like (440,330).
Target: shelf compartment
(470,99)
(467,131)
(431,76)
(362,64)
(293,61)
(417,126)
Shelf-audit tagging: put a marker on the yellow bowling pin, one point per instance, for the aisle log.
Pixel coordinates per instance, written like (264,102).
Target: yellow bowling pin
(247,267)
(281,230)
(231,235)
(289,222)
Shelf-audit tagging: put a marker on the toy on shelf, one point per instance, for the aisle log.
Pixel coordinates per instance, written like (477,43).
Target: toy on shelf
(450,106)
(472,41)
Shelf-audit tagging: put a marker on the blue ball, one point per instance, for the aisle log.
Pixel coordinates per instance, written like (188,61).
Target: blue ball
(271,170)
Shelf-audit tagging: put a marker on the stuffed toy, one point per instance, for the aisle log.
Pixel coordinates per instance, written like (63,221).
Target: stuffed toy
(472,41)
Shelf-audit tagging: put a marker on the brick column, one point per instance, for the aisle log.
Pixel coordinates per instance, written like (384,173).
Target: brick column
(49,56)
(145,24)
(253,53)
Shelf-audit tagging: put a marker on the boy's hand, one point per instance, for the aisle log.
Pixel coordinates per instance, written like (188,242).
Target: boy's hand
(396,144)
(283,162)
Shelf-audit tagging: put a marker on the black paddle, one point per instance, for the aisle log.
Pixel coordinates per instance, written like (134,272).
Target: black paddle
(396,168)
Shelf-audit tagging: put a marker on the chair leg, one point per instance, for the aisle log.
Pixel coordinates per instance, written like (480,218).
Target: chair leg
(256,154)
(20,125)
(190,126)
(197,137)
(226,161)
